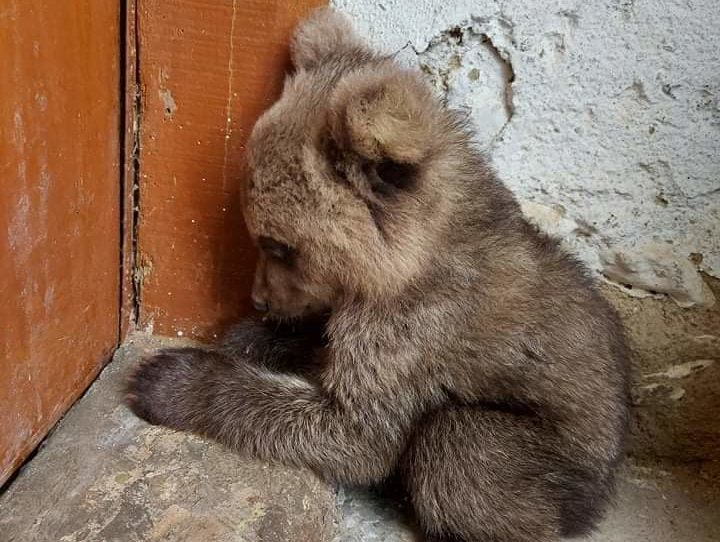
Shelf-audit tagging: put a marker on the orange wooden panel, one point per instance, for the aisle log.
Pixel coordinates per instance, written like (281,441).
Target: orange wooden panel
(208,68)
(59,221)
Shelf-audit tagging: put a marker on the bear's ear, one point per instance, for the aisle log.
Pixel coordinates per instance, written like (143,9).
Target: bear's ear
(323,33)
(385,116)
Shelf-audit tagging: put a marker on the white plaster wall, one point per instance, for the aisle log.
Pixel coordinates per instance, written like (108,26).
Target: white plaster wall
(603,117)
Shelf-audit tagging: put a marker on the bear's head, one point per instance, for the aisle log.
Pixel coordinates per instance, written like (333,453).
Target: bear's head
(347,194)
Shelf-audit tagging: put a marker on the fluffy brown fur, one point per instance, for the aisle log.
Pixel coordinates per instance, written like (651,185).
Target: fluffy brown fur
(452,343)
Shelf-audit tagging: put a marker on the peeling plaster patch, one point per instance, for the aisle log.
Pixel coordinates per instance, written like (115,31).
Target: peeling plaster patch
(655,268)
(671,390)
(683,370)
(706,338)
(677,394)
(473,76)
(652,392)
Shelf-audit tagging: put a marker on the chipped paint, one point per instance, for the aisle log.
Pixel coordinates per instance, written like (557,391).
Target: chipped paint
(168,102)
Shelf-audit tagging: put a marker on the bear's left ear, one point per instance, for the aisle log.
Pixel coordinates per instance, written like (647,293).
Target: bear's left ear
(385,115)
(323,33)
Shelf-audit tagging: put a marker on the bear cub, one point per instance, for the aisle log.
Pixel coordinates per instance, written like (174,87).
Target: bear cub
(418,326)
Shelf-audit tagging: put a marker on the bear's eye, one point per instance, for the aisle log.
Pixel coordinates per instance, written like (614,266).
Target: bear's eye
(387,176)
(276,249)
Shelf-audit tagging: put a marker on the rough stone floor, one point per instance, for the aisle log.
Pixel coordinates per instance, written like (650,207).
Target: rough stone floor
(103,475)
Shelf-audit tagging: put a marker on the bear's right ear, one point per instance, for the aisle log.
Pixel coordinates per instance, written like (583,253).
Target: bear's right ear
(385,114)
(323,33)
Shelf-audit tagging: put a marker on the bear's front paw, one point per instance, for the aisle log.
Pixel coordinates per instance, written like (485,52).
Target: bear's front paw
(247,340)
(167,387)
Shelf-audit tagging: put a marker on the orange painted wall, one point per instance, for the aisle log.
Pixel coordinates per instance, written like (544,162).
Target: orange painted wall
(59,210)
(208,68)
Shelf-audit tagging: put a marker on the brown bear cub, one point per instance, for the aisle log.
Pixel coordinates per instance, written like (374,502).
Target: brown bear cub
(419,326)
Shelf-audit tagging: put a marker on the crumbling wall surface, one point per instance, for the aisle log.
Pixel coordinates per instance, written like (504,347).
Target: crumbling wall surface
(604,119)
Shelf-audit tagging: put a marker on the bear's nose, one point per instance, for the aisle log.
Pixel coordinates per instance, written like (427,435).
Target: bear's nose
(260,305)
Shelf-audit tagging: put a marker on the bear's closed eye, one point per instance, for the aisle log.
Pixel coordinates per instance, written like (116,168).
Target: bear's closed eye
(276,249)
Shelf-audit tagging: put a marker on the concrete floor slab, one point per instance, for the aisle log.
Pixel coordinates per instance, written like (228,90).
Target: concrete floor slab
(104,475)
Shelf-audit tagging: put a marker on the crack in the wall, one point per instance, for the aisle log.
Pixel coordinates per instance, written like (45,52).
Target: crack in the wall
(135,195)
(129,160)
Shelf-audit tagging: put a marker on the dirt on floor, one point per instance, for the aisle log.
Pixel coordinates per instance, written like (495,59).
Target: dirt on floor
(676,373)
